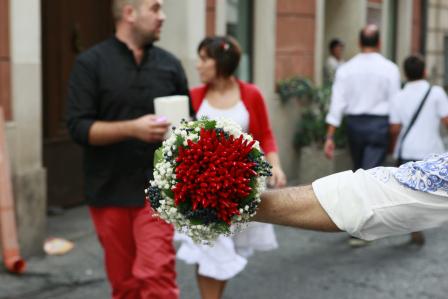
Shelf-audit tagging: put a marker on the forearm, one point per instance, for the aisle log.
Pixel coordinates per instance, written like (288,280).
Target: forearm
(330,131)
(294,206)
(444,121)
(394,131)
(273,159)
(105,133)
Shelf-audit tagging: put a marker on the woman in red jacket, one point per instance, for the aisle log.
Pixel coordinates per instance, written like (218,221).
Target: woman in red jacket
(223,95)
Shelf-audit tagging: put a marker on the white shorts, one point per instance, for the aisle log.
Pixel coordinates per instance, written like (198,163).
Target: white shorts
(372,204)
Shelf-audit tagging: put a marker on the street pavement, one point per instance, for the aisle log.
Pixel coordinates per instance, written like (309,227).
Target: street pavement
(308,265)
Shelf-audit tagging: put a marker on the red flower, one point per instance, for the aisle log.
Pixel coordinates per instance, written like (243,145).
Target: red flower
(214,172)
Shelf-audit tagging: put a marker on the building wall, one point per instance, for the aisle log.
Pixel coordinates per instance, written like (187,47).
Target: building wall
(210,17)
(344,19)
(437,29)
(295,38)
(5,60)
(25,130)
(294,48)
(416,26)
(182,32)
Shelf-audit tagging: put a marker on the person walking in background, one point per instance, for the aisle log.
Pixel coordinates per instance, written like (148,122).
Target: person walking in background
(334,60)
(110,112)
(362,91)
(223,95)
(415,116)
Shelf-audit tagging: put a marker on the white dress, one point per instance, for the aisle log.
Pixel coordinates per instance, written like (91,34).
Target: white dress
(387,201)
(228,256)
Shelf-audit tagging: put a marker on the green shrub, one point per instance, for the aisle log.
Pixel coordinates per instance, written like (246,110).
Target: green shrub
(314,104)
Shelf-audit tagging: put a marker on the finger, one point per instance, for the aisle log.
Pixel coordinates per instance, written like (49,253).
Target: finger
(281,182)
(159,130)
(162,120)
(164,125)
(157,137)
(271,181)
(274,179)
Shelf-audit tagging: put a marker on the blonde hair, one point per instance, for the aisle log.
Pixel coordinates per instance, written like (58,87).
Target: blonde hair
(117,7)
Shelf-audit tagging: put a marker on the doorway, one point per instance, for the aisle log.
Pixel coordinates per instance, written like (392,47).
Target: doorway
(68,28)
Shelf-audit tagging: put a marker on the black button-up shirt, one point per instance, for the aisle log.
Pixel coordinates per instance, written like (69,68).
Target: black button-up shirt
(106,84)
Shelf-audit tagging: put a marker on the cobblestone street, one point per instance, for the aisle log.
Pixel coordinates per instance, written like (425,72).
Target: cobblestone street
(308,265)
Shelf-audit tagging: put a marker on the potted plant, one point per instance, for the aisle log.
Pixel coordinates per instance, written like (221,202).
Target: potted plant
(310,132)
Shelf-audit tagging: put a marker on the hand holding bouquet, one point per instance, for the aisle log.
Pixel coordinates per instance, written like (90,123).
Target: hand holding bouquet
(208,176)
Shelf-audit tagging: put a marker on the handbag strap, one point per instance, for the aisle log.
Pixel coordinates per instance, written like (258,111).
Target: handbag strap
(414,118)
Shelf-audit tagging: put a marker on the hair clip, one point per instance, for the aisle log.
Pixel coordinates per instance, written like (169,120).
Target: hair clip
(225,46)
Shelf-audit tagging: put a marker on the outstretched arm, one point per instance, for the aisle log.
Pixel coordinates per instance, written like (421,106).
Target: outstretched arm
(294,206)
(366,204)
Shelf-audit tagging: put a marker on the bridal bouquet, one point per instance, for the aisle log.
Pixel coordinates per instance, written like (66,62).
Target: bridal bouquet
(208,176)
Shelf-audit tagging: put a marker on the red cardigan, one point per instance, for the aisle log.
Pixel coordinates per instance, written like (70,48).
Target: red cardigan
(259,126)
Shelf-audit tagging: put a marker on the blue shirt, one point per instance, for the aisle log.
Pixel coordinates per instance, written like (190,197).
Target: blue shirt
(429,175)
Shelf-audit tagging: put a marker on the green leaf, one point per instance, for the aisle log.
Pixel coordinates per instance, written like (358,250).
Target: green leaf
(179,141)
(158,156)
(254,154)
(184,207)
(196,221)
(169,193)
(251,196)
(209,124)
(222,227)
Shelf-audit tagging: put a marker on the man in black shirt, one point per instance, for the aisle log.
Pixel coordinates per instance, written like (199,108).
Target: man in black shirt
(110,112)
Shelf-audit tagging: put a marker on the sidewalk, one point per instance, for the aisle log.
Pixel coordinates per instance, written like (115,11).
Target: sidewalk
(78,274)
(53,276)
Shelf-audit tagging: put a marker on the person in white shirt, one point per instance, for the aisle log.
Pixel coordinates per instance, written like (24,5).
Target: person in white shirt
(423,137)
(368,204)
(334,61)
(362,91)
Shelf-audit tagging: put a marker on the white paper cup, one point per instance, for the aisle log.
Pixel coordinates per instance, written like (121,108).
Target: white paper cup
(174,108)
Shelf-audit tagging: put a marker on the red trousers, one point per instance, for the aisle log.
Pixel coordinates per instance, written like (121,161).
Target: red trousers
(138,252)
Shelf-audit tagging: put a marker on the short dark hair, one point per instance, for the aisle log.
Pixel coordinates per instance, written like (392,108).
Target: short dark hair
(335,42)
(414,67)
(369,38)
(225,50)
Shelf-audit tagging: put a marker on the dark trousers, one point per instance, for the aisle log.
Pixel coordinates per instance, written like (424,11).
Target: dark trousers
(368,139)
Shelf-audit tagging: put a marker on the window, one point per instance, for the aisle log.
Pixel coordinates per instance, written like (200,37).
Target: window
(239,16)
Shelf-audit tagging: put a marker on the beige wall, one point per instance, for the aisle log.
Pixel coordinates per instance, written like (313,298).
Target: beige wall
(343,19)
(437,30)
(283,117)
(182,31)
(25,131)
(404,33)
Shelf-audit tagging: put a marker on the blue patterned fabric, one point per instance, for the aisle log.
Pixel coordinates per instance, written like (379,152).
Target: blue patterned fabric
(429,175)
